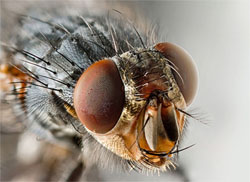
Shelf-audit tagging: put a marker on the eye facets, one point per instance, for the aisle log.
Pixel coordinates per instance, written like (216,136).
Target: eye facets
(99,96)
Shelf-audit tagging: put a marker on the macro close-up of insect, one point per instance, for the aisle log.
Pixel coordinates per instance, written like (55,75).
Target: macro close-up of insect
(86,90)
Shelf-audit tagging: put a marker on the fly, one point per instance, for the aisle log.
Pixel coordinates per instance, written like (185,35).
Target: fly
(95,82)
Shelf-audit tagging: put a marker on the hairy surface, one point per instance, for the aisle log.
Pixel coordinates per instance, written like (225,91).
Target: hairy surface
(54,50)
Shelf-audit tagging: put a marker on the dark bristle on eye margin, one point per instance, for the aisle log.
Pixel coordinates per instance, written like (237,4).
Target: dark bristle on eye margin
(99,96)
(187,77)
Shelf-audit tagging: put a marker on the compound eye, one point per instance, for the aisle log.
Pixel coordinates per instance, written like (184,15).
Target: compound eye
(185,67)
(99,96)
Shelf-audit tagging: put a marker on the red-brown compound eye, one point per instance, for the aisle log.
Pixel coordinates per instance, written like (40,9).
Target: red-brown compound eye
(99,96)
(185,67)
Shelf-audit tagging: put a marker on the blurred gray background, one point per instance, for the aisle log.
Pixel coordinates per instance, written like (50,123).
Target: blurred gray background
(217,35)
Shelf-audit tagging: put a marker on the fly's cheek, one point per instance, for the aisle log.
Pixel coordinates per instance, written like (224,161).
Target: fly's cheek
(188,78)
(99,96)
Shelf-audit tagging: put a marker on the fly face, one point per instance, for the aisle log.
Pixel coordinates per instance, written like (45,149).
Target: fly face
(126,102)
(132,103)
